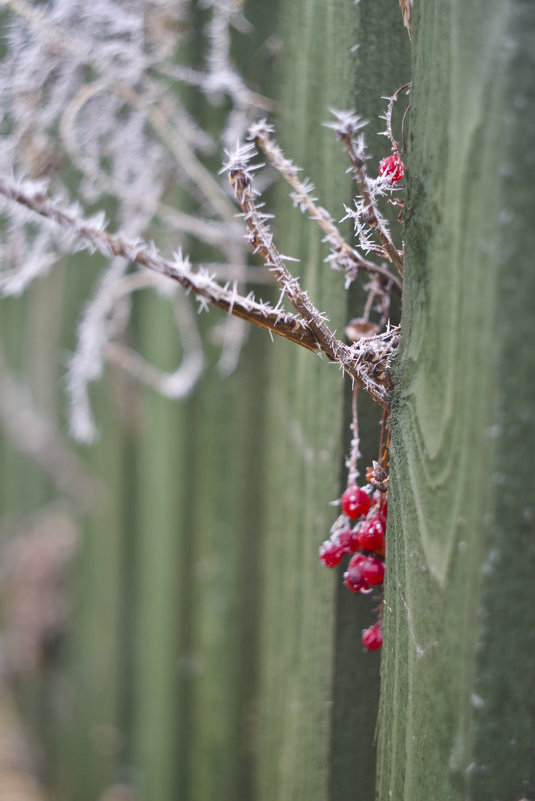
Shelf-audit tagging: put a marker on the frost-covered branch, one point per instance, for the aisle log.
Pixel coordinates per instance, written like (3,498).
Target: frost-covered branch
(179,269)
(261,239)
(90,91)
(387,117)
(346,126)
(310,330)
(342,256)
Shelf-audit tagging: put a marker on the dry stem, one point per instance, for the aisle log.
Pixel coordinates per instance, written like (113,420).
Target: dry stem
(371,217)
(388,116)
(343,254)
(310,332)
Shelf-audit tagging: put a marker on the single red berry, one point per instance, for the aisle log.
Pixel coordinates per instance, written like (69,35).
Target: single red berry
(355,502)
(372,638)
(372,534)
(354,579)
(381,517)
(356,560)
(331,553)
(349,540)
(373,571)
(392,167)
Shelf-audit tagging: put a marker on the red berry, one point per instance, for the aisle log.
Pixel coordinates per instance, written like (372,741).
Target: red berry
(381,517)
(354,578)
(331,553)
(372,534)
(355,502)
(348,540)
(372,638)
(356,560)
(373,571)
(392,167)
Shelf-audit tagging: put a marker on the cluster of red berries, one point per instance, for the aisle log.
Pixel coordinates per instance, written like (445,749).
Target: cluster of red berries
(366,541)
(392,167)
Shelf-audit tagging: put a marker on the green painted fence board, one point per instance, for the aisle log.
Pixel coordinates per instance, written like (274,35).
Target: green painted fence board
(457,716)
(225,595)
(85,722)
(88,731)
(159,493)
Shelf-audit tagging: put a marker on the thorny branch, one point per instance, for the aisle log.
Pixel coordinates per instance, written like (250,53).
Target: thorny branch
(345,128)
(343,255)
(261,240)
(147,256)
(388,116)
(310,332)
(354,448)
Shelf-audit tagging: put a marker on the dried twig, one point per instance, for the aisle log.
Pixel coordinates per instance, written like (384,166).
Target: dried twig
(346,126)
(310,330)
(354,448)
(388,116)
(342,255)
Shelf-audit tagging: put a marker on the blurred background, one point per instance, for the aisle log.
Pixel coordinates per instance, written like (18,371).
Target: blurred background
(167,631)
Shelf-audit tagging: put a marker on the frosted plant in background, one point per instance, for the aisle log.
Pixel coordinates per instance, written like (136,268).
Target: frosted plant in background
(89,95)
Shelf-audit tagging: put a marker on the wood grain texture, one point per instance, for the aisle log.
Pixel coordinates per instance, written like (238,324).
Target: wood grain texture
(457,716)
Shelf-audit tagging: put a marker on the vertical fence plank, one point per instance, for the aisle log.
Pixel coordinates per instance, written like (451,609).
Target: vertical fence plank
(161,485)
(227,536)
(304,424)
(88,731)
(457,716)
(86,726)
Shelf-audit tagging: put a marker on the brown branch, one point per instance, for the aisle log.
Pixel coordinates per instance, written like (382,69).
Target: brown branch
(388,116)
(370,215)
(311,332)
(344,254)
(345,126)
